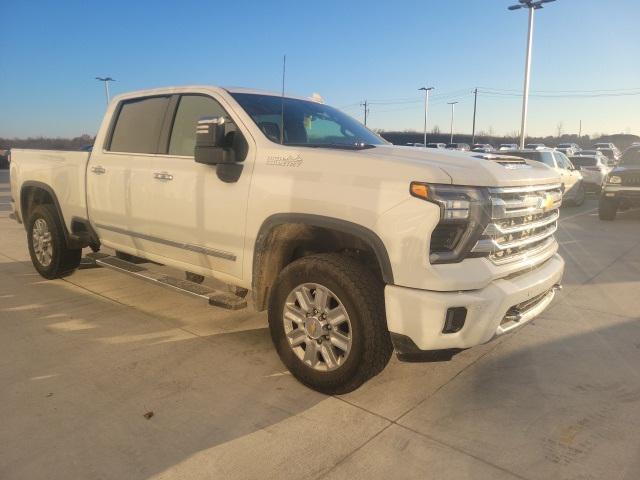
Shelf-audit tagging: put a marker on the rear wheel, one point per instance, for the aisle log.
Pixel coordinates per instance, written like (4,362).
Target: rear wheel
(607,209)
(580,195)
(47,245)
(328,323)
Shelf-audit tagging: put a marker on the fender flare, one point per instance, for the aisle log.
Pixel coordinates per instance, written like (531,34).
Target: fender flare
(345,226)
(72,241)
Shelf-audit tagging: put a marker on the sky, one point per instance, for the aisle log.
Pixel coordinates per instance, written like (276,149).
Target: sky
(584,66)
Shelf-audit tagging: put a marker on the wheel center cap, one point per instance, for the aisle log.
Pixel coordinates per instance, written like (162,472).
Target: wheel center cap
(313,327)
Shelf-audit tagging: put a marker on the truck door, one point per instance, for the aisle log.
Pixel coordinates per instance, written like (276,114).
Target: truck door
(191,216)
(117,205)
(570,176)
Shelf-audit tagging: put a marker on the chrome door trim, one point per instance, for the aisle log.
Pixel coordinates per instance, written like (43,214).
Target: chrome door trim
(184,246)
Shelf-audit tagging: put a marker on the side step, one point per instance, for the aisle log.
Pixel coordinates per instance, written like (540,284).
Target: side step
(214,297)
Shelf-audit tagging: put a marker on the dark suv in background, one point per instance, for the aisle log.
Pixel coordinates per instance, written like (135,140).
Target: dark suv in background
(622,187)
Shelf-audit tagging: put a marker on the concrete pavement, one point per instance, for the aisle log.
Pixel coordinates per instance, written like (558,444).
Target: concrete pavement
(84,358)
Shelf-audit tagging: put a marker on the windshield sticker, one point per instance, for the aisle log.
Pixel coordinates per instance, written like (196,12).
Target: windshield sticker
(288,161)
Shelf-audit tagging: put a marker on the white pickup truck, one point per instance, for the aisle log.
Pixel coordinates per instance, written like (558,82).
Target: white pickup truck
(356,247)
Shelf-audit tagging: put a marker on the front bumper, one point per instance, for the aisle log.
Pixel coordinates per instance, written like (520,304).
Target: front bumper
(420,314)
(628,195)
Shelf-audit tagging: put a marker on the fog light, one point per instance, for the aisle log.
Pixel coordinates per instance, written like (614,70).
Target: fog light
(454,320)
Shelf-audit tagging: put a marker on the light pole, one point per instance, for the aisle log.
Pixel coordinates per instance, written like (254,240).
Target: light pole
(106,81)
(453,106)
(532,6)
(426,108)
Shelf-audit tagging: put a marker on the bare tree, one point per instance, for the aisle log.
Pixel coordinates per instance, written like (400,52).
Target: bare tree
(560,129)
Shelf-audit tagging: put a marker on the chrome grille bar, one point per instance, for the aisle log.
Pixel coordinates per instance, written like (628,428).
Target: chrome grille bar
(523,221)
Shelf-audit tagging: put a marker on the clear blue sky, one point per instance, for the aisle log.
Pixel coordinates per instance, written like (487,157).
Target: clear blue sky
(348,50)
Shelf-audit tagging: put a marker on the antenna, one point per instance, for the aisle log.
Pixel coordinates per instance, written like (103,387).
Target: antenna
(284,70)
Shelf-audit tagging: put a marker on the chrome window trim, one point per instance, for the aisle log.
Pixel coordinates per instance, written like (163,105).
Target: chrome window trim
(184,246)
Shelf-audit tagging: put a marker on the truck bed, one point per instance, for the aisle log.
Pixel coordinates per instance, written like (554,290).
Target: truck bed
(62,172)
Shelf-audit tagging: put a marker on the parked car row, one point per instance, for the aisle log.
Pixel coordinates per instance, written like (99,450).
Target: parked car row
(573,185)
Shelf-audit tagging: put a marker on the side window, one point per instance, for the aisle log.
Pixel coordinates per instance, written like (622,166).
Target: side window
(138,125)
(190,109)
(563,162)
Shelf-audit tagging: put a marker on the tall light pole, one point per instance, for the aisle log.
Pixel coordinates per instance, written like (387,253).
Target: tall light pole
(453,106)
(106,81)
(426,108)
(475,106)
(532,6)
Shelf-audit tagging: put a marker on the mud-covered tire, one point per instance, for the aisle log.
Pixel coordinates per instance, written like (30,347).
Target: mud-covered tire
(362,296)
(607,209)
(63,261)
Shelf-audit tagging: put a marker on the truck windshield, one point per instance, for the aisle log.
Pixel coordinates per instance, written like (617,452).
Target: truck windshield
(306,123)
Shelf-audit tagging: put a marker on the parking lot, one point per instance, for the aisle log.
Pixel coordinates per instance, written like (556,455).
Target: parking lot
(85,358)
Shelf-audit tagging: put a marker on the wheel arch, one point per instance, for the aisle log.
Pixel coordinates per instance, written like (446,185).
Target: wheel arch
(284,237)
(34,193)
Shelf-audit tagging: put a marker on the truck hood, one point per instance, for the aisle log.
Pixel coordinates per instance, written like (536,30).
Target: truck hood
(469,168)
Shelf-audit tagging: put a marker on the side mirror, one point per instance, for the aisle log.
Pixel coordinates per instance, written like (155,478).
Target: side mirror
(210,142)
(216,146)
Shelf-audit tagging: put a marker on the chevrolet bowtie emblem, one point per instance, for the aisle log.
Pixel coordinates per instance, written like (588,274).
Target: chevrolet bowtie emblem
(546,202)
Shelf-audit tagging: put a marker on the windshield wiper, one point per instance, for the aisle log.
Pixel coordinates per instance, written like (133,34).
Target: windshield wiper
(342,146)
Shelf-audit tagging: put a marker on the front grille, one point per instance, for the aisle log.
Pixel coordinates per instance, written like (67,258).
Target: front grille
(631,180)
(523,221)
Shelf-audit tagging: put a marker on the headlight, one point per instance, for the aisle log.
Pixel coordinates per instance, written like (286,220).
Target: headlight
(464,214)
(615,179)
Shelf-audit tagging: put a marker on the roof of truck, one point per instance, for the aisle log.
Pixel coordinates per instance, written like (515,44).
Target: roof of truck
(183,88)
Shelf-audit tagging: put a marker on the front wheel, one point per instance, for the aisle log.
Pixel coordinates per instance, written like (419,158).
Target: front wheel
(580,195)
(328,324)
(47,245)
(607,209)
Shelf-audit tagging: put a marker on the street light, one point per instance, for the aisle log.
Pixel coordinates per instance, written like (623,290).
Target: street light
(532,6)
(106,81)
(453,106)
(426,106)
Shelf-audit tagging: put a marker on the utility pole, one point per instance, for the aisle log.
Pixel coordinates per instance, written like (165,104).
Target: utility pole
(426,108)
(532,6)
(580,131)
(453,105)
(365,104)
(475,105)
(106,81)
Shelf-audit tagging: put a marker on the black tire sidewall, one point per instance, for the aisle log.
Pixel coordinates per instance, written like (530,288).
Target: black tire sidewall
(63,260)
(580,196)
(607,209)
(303,271)
(46,213)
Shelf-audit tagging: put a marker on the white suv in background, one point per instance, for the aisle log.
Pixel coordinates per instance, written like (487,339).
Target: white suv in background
(594,170)
(572,182)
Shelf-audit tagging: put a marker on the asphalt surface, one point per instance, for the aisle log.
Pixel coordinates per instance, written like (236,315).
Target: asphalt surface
(85,358)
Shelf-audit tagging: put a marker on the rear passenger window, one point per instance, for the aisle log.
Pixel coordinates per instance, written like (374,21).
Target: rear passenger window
(138,126)
(190,109)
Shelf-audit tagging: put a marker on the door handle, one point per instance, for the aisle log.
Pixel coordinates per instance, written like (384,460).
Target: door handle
(162,176)
(98,170)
